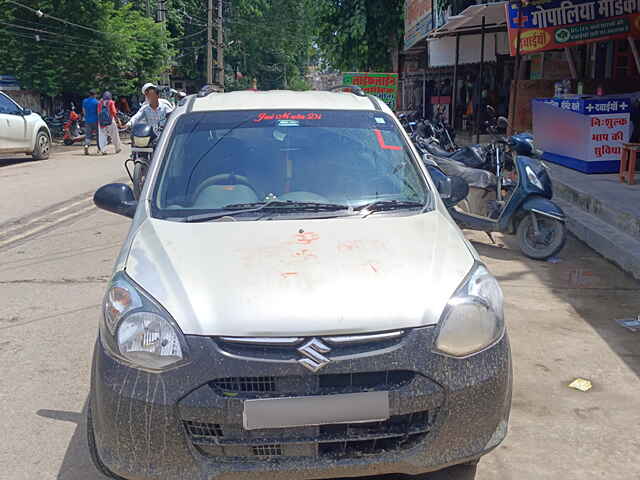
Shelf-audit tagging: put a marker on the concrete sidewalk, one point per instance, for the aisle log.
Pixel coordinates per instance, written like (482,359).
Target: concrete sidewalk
(603,212)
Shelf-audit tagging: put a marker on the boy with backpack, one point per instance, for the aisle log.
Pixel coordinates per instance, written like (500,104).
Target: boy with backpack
(108,124)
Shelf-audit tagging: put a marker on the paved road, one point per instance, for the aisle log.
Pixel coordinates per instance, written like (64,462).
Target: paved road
(560,316)
(29,186)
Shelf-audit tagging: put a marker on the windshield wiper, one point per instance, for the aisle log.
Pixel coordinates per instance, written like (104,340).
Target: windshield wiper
(277,205)
(383,205)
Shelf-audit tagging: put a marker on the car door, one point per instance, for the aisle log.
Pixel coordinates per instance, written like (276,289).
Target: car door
(13,127)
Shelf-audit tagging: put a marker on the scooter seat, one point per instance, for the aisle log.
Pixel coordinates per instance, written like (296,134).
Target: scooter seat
(433,149)
(469,156)
(475,177)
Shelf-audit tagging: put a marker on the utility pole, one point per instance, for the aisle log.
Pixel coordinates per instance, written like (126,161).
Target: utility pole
(220,47)
(210,44)
(161,17)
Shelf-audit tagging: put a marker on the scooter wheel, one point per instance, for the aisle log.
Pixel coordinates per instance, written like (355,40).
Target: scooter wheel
(68,141)
(551,237)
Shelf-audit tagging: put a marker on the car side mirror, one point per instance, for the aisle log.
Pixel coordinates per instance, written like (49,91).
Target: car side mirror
(452,189)
(26,112)
(116,198)
(459,191)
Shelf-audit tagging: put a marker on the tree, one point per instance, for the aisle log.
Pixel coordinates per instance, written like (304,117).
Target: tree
(360,35)
(271,40)
(118,49)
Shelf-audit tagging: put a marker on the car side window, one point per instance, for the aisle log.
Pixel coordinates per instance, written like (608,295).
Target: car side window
(7,106)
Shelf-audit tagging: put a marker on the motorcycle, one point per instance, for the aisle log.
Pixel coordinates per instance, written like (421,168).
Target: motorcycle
(514,198)
(72,132)
(56,123)
(143,142)
(474,156)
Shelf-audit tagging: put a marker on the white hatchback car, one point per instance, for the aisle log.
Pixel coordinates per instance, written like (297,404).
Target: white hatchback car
(293,301)
(22,131)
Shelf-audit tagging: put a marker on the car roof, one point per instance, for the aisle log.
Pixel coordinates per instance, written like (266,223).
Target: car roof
(287,100)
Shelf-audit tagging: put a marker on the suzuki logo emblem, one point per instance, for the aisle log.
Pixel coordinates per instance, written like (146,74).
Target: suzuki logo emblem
(313,351)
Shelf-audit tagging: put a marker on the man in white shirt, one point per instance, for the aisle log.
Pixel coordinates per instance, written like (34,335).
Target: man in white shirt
(154,111)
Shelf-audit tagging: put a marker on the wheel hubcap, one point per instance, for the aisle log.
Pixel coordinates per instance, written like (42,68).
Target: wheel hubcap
(44,145)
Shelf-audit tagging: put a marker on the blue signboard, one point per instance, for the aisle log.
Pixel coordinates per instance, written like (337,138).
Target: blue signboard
(9,82)
(590,106)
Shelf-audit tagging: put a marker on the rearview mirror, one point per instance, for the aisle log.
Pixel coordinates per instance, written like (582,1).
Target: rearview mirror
(116,198)
(26,112)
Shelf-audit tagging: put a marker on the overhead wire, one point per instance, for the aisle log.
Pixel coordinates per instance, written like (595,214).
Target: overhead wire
(179,39)
(46,32)
(46,15)
(51,41)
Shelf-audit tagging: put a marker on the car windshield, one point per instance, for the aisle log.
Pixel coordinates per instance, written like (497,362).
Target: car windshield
(286,162)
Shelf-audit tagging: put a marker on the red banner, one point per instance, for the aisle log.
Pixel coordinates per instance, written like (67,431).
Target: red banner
(555,24)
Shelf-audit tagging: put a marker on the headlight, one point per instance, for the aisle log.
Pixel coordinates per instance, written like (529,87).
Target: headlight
(533,178)
(137,330)
(141,142)
(473,319)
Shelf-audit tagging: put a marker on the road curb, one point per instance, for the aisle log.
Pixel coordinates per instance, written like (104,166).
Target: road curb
(610,242)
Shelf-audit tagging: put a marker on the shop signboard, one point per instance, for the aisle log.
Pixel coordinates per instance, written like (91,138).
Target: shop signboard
(9,82)
(585,134)
(418,21)
(382,85)
(553,24)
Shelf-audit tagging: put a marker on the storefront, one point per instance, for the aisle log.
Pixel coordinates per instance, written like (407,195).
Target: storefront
(469,60)
(572,54)
(412,67)
(469,54)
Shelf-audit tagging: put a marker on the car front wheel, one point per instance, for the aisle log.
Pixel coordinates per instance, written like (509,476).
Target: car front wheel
(43,146)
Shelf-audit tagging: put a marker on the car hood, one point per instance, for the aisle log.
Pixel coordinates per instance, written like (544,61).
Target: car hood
(301,277)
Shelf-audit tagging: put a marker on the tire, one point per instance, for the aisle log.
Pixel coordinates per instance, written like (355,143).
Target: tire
(139,174)
(553,235)
(68,141)
(43,146)
(93,449)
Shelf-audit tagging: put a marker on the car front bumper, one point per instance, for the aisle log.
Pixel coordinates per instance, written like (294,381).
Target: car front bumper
(186,423)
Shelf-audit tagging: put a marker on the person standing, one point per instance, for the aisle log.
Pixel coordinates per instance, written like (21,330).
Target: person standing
(123,105)
(108,122)
(90,114)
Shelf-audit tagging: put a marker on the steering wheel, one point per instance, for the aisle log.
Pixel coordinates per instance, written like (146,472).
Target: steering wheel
(223,179)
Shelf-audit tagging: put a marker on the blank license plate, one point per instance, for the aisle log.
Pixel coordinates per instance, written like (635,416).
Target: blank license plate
(321,410)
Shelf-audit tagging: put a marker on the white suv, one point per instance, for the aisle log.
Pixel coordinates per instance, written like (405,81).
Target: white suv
(22,131)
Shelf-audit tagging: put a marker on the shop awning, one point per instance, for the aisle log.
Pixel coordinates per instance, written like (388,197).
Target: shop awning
(469,21)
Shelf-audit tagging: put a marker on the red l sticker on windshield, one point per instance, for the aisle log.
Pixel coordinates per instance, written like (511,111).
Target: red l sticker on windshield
(383,145)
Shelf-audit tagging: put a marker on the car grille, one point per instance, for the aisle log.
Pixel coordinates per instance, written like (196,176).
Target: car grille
(326,441)
(247,387)
(286,349)
(245,384)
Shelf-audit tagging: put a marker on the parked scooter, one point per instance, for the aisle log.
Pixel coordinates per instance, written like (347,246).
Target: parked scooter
(515,200)
(72,131)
